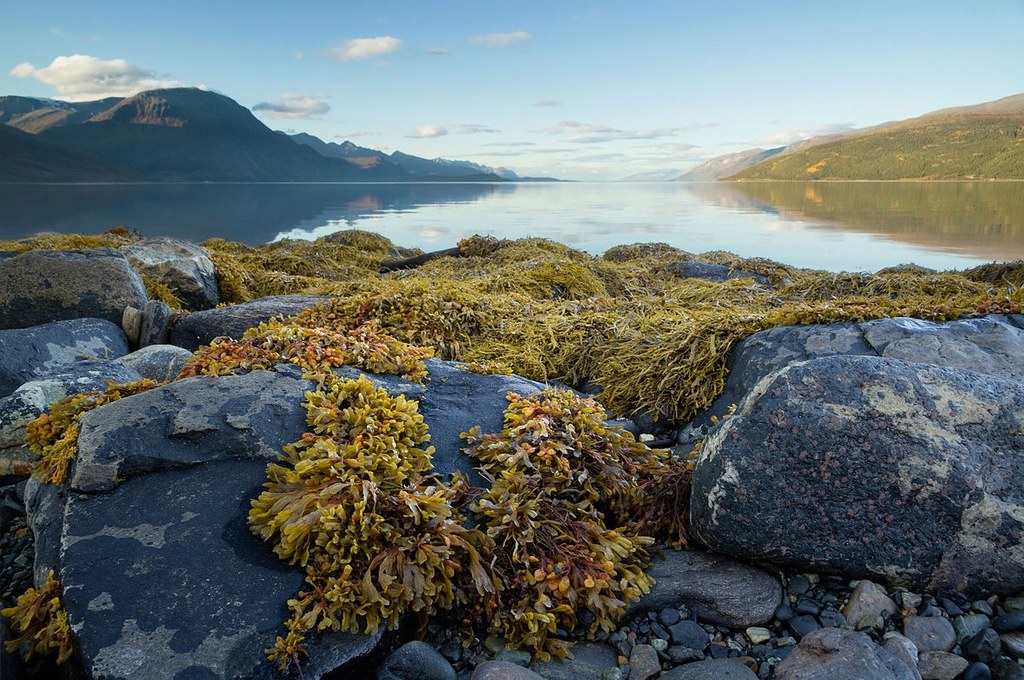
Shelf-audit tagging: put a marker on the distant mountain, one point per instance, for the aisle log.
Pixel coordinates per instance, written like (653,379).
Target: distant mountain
(652,176)
(985,141)
(183,135)
(729,164)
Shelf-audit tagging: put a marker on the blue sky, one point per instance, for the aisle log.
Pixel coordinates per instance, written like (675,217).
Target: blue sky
(577,90)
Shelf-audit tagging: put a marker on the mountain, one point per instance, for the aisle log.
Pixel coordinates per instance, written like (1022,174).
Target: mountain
(984,141)
(729,164)
(183,135)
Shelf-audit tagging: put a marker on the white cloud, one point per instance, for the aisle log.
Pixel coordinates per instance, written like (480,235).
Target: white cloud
(547,103)
(592,133)
(438,51)
(364,48)
(299,56)
(80,77)
(790,135)
(359,133)
(427,131)
(501,39)
(471,129)
(294,106)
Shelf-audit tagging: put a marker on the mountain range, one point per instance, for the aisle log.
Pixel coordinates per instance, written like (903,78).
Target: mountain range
(190,135)
(984,141)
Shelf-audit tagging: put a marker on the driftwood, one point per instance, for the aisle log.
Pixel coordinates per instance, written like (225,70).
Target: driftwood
(417,260)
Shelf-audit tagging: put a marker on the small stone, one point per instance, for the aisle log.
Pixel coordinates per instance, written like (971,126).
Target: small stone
(613,673)
(868,600)
(645,437)
(1009,622)
(967,627)
(799,585)
(1013,643)
(940,665)
(1014,604)
(659,631)
(718,651)
(1005,669)
(784,641)
(784,612)
(976,671)
(690,634)
(984,646)
(659,644)
(668,616)
(982,607)
(415,661)
(929,609)
(131,324)
(930,633)
(757,635)
(910,600)
(871,621)
(644,663)
(806,605)
(904,649)
(832,619)
(501,670)
(802,625)
(679,654)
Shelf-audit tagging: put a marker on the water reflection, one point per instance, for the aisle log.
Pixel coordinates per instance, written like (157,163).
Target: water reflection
(249,213)
(982,219)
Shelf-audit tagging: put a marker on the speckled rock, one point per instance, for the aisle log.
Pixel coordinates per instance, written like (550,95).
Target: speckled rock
(837,654)
(198,329)
(182,266)
(41,286)
(993,345)
(157,362)
(37,352)
(710,669)
(717,588)
(872,468)
(930,633)
(940,665)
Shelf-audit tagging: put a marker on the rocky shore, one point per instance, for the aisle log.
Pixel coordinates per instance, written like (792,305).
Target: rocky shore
(853,507)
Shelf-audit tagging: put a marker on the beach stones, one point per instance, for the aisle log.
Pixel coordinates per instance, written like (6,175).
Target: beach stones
(41,286)
(871,467)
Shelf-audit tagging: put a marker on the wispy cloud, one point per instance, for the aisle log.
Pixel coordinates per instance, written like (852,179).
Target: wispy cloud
(360,133)
(592,133)
(547,103)
(428,131)
(437,51)
(294,106)
(365,48)
(81,77)
(501,39)
(471,129)
(510,144)
(790,135)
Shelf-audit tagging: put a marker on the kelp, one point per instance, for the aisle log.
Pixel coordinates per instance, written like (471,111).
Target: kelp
(53,436)
(40,623)
(113,238)
(157,290)
(354,503)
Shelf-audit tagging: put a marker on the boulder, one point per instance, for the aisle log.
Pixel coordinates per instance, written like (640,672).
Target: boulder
(182,266)
(837,654)
(710,669)
(872,468)
(716,273)
(993,345)
(717,588)
(34,397)
(196,330)
(162,577)
(37,352)
(157,362)
(41,286)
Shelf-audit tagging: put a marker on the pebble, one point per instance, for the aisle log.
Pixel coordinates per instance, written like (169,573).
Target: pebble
(758,635)
(977,671)
(940,665)
(690,634)
(1009,622)
(930,633)
(984,646)
(644,663)
(802,625)
(1013,643)
(968,626)
(1004,669)
(668,616)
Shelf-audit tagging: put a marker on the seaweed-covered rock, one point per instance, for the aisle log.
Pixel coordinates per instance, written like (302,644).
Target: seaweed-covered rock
(41,286)
(183,267)
(837,654)
(993,345)
(196,330)
(715,273)
(872,467)
(39,351)
(35,397)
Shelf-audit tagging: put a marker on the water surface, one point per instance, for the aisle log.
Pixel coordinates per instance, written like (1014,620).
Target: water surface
(855,226)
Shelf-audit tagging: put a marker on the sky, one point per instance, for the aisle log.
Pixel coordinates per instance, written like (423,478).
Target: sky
(575,90)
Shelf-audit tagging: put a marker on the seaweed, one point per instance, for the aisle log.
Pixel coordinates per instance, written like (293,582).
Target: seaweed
(40,623)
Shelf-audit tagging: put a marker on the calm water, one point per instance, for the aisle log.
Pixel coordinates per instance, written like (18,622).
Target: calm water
(856,226)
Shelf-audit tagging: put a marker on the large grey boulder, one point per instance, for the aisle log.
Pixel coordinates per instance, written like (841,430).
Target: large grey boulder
(162,577)
(157,362)
(196,330)
(27,402)
(182,266)
(39,351)
(41,286)
(872,467)
(993,345)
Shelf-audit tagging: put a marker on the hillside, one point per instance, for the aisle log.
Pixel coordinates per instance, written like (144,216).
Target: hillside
(729,164)
(974,142)
(28,158)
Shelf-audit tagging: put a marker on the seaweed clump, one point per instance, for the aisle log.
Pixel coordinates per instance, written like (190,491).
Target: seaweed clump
(40,623)
(53,436)
(353,503)
(563,483)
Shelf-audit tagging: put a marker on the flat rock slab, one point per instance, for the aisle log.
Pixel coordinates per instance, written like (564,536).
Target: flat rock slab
(41,286)
(200,328)
(37,352)
(717,588)
(872,467)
